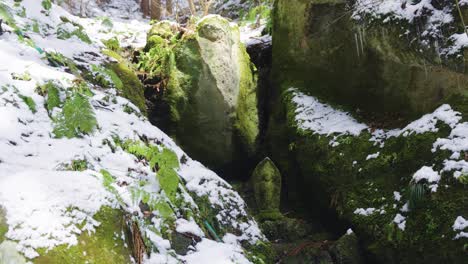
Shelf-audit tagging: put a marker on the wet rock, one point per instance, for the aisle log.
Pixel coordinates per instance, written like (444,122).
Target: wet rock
(346,250)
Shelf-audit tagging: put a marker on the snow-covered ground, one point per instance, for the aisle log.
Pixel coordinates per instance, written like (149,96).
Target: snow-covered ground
(46,204)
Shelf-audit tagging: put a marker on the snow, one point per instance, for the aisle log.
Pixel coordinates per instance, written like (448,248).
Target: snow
(321,118)
(400,221)
(373,156)
(212,252)
(38,208)
(460,224)
(46,205)
(426,173)
(397,196)
(184,226)
(365,211)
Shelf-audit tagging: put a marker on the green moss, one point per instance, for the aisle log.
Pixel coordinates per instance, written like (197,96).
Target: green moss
(76,119)
(99,247)
(247,123)
(266,181)
(3,225)
(132,88)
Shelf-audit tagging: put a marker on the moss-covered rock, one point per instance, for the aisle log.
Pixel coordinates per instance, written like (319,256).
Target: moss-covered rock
(105,244)
(130,86)
(363,65)
(346,250)
(266,181)
(338,171)
(209,87)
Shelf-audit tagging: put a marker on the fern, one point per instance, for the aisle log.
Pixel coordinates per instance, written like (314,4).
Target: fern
(169,182)
(165,159)
(29,102)
(76,119)
(417,192)
(53,98)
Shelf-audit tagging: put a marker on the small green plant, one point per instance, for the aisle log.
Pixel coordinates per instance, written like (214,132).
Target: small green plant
(79,165)
(112,44)
(106,22)
(76,119)
(64,32)
(29,102)
(46,4)
(417,192)
(21,77)
(463,179)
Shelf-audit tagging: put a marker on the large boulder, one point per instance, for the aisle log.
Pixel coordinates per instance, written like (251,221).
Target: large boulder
(379,68)
(210,88)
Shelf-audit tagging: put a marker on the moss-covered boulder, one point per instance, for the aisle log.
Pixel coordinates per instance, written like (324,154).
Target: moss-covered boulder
(371,178)
(376,67)
(266,181)
(209,87)
(346,250)
(108,242)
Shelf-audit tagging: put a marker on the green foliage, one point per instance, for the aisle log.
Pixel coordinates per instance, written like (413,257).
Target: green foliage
(29,102)
(159,59)
(417,192)
(112,44)
(6,15)
(162,161)
(76,119)
(25,76)
(165,159)
(78,31)
(53,95)
(104,77)
(79,165)
(463,179)
(56,59)
(169,182)
(46,4)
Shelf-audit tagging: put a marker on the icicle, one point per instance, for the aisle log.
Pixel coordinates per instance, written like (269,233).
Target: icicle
(357,44)
(360,38)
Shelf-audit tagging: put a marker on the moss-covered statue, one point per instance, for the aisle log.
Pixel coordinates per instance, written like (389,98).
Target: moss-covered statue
(266,181)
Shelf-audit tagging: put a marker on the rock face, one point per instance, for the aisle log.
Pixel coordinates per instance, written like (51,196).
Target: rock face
(266,180)
(211,89)
(330,58)
(360,65)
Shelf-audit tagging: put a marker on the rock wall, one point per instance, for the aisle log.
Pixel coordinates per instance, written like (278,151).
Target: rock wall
(383,80)
(366,66)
